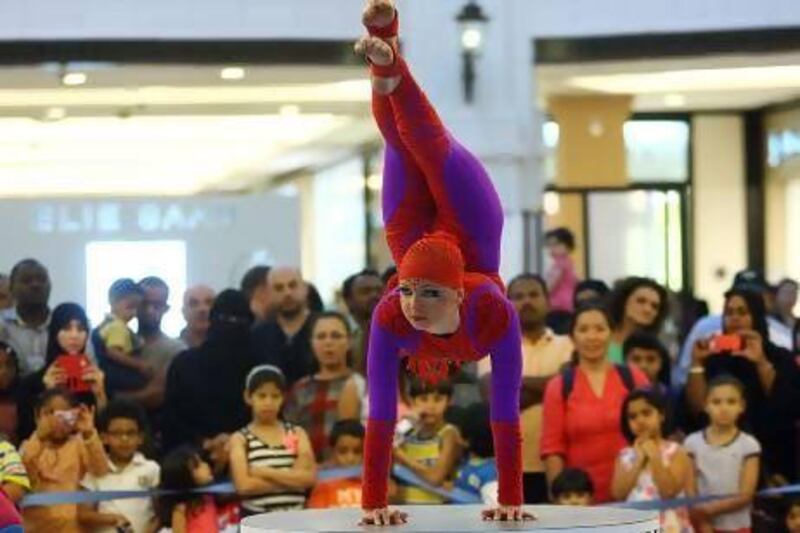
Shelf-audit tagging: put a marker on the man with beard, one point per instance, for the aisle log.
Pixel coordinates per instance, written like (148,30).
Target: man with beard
(284,341)
(158,349)
(361,293)
(197,302)
(543,356)
(24,326)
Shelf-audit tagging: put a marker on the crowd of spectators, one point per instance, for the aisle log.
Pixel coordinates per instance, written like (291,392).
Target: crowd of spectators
(267,389)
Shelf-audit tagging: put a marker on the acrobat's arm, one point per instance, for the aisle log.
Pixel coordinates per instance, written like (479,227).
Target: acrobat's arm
(382,371)
(506,378)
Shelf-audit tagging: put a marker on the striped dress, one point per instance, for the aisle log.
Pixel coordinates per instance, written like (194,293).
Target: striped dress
(282,456)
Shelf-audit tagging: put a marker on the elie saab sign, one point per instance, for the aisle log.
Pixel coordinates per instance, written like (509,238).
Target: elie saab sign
(131,217)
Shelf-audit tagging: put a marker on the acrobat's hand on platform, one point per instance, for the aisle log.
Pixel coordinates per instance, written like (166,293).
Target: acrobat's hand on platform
(506,514)
(383,517)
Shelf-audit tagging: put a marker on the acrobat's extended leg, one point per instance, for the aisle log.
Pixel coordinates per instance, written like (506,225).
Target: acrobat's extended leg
(466,203)
(408,207)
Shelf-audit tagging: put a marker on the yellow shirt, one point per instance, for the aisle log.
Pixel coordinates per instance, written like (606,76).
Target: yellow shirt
(11,468)
(116,334)
(424,450)
(543,358)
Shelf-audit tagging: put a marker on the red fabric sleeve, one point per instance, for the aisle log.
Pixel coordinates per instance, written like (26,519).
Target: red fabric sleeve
(554,438)
(377,463)
(508,451)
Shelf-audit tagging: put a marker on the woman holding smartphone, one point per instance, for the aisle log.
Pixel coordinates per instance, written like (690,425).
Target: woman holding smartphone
(769,374)
(66,366)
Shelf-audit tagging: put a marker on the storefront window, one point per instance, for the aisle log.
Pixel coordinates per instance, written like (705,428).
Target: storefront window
(550,134)
(641,235)
(656,150)
(793,230)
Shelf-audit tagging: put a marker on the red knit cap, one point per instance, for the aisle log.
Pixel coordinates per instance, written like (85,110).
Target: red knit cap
(435,258)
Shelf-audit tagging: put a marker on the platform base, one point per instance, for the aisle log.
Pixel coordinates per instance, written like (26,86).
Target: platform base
(462,518)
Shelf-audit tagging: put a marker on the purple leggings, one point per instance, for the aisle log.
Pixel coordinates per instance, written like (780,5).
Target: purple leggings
(432,183)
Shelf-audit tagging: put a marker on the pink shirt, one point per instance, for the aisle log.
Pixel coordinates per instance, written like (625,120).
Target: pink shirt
(562,292)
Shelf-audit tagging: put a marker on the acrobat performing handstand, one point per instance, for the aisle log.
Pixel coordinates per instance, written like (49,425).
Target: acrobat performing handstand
(443,223)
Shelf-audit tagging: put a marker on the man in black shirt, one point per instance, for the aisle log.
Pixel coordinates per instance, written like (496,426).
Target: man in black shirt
(285,339)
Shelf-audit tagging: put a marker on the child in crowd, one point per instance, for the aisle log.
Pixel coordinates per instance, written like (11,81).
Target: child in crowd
(432,447)
(561,278)
(14,483)
(478,474)
(573,486)
(648,354)
(347,445)
(64,447)
(9,393)
(793,517)
(272,462)
(122,427)
(117,345)
(645,351)
(183,470)
(726,460)
(652,468)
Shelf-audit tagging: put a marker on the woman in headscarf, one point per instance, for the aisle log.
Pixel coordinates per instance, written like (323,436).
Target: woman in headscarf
(203,401)
(768,372)
(67,335)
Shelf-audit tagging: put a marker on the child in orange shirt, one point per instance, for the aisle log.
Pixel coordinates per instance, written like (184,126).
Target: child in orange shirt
(347,445)
(63,449)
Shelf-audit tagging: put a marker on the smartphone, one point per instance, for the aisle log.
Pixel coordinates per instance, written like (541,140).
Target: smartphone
(67,417)
(74,365)
(402,430)
(726,343)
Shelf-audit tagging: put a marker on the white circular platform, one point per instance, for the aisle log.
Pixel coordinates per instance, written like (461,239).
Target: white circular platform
(462,518)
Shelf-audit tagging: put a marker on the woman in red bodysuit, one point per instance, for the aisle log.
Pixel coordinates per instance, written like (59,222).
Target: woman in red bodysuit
(443,222)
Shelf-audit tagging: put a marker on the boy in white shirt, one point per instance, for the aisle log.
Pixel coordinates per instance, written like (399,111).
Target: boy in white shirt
(122,427)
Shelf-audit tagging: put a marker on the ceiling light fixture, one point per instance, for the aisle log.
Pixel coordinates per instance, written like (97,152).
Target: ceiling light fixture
(74,78)
(232,73)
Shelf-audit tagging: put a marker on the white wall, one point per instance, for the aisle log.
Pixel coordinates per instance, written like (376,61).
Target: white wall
(720,234)
(224,235)
(338,19)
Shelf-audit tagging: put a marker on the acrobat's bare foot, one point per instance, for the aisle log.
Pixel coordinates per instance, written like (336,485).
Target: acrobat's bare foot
(378,13)
(378,51)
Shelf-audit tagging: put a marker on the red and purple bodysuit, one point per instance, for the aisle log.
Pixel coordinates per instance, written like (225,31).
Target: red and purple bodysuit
(433,185)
